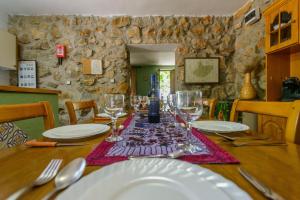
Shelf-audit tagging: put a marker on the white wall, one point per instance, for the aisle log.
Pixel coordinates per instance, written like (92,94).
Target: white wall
(3,20)
(4,75)
(152,58)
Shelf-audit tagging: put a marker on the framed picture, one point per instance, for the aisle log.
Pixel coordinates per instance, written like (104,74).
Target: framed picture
(27,74)
(201,70)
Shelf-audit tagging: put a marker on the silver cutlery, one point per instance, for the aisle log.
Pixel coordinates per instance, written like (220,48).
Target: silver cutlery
(240,144)
(240,138)
(48,174)
(172,155)
(108,123)
(67,176)
(260,186)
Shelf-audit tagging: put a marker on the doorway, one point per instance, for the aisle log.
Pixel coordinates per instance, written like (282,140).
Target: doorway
(141,74)
(146,59)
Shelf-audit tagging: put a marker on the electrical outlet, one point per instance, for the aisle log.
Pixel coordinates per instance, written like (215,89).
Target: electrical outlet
(112,80)
(68,82)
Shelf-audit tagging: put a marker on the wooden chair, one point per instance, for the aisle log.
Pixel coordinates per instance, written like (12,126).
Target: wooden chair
(211,103)
(288,110)
(10,113)
(80,105)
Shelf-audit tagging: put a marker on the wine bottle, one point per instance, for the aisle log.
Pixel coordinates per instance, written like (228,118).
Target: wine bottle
(154,105)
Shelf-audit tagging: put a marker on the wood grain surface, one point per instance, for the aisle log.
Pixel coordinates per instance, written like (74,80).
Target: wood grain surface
(276,166)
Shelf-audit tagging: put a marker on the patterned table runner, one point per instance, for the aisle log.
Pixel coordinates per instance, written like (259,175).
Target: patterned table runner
(142,138)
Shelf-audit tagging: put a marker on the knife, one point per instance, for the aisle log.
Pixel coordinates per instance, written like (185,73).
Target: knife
(260,186)
(34,143)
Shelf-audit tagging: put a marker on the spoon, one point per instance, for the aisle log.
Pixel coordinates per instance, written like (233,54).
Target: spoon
(172,155)
(68,175)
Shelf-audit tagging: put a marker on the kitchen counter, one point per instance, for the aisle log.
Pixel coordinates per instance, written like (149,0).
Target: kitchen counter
(28,90)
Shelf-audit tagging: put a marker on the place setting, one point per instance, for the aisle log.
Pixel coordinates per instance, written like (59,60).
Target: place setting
(153,160)
(151,157)
(235,133)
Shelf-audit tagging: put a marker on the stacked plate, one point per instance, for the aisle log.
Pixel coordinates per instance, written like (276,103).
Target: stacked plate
(104,115)
(220,126)
(150,179)
(76,131)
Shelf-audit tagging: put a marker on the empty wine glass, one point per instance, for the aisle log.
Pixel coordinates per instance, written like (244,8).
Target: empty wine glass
(171,100)
(164,103)
(135,102)
(144,102)
(114,105)
(190,108)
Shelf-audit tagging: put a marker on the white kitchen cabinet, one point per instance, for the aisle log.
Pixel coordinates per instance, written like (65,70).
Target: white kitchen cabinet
(8,51)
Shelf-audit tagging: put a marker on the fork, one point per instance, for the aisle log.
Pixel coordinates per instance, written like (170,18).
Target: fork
(49,173)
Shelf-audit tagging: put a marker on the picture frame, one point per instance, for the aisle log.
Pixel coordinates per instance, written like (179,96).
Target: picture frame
(201,70)
(27,73)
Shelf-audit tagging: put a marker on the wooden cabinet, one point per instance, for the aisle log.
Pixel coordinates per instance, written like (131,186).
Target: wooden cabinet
(282,45)
(282,25)
(8,51)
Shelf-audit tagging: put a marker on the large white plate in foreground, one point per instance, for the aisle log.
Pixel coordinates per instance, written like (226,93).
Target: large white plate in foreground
(148,179)
(76,131)
(104,115)
(220,126)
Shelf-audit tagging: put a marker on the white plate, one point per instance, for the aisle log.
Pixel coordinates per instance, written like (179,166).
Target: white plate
(104,115)
(220,126)
(148,179)
(76,131)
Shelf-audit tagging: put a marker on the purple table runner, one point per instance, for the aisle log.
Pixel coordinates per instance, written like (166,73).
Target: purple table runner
(143,138)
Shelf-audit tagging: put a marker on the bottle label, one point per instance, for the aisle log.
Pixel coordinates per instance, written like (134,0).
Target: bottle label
(154,107)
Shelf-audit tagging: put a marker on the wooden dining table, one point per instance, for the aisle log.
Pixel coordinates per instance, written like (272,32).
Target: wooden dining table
(278,167)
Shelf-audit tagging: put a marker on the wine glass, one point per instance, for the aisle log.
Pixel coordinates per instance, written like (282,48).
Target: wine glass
(144,102)
(171,99)
(190,108)
(164,103)
(135,102)
(114,105)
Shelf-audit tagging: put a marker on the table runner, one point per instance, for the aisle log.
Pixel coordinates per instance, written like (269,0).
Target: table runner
(143,138)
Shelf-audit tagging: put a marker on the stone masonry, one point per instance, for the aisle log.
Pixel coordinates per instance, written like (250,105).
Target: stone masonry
(106,38)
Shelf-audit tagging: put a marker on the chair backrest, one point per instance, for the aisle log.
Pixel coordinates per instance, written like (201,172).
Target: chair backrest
(288,110)
(211,103)
(10,113)
(80,105)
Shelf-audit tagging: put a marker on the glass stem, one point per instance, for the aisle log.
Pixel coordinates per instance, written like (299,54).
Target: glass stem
(175,115)
(189,132)
(114,127)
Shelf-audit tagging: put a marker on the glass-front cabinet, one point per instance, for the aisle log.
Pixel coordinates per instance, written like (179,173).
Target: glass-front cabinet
(282,25)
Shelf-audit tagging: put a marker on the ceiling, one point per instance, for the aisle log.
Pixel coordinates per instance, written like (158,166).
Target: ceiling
(120,7)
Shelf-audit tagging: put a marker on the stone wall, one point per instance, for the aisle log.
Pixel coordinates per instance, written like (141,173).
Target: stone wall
(249,48)
(106,38)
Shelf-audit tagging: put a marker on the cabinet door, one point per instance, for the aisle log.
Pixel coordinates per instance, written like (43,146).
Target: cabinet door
(8,50)
(288,23)
(272,31)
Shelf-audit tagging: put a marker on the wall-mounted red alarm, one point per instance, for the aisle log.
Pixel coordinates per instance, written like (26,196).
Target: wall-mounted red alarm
(60,53)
